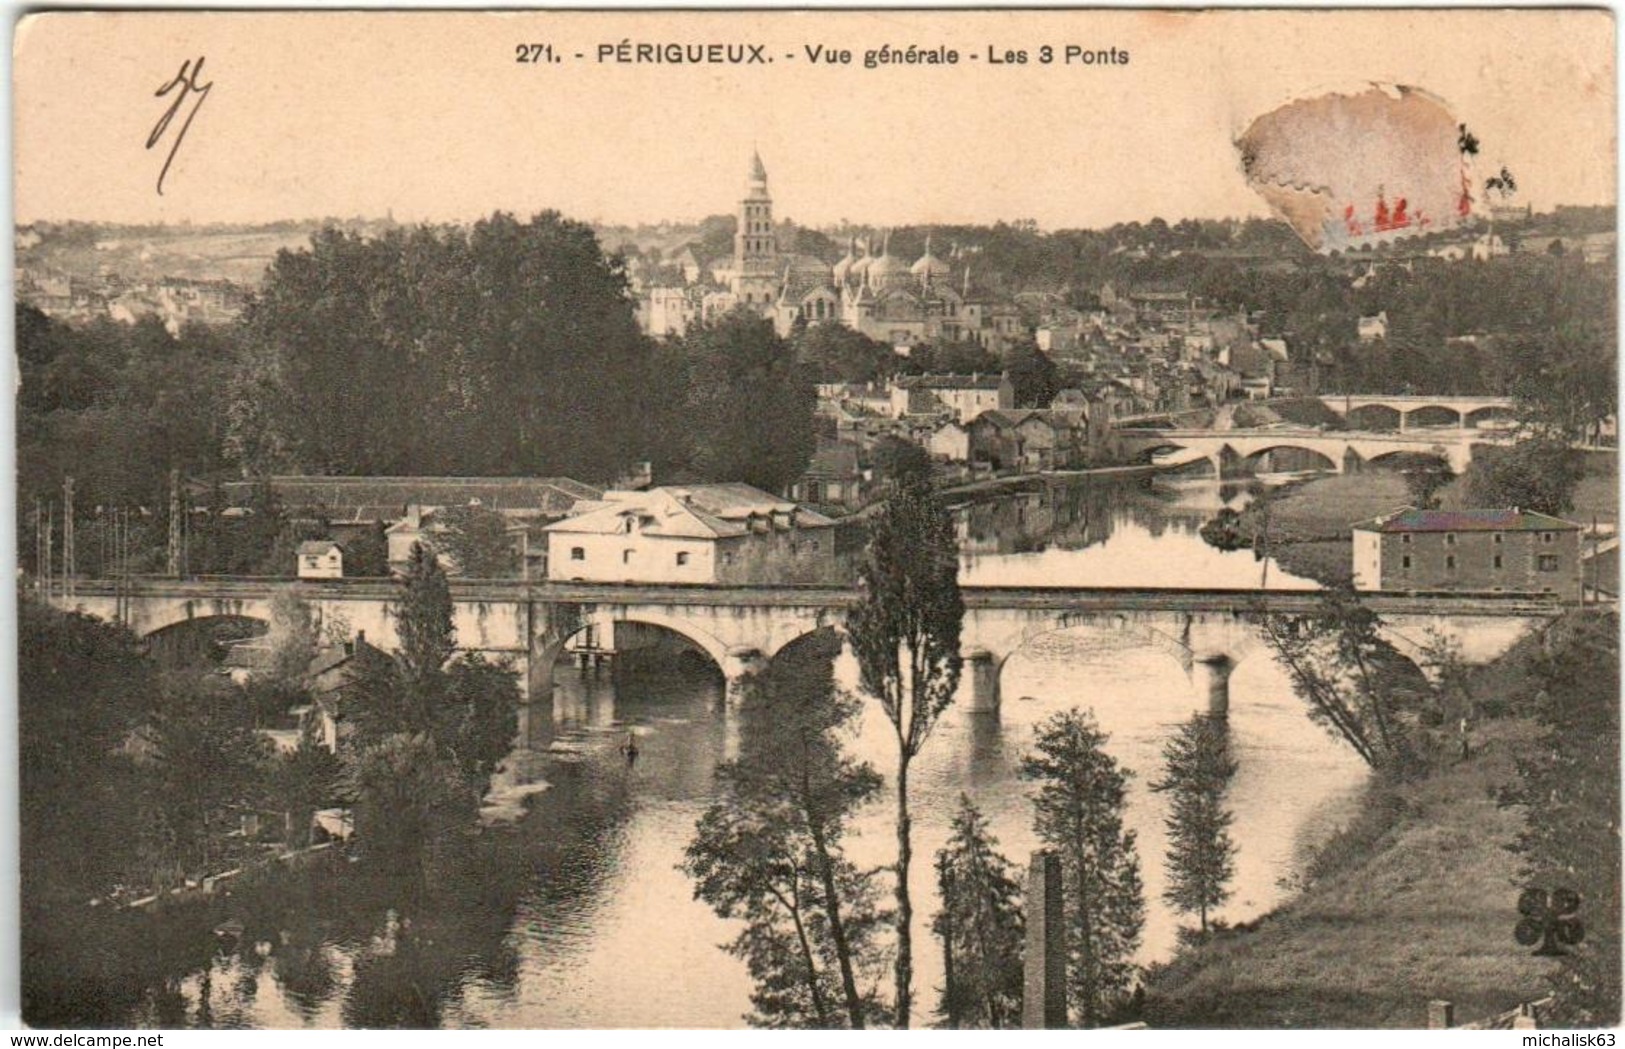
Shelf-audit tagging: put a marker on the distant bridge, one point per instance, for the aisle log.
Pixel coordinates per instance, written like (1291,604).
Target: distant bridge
(1238,452)
(1402,411)
(742,628)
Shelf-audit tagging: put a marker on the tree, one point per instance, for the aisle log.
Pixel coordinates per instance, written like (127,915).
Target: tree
(836,353)
(1224,531)
(367,555)
(482,715)
(407,801)
(304,780)
(748,407)
(1034,377)
(1425,475)
(477,541)
(1536,474)
(82,689)
(1078,811)
(475,341)
(423,620)
(1357,686)
(205,765)
(1568,788)
(905,633)
(1201,857)
(900,462)
(980,925)
(292,637)
(468,710)
(769,850)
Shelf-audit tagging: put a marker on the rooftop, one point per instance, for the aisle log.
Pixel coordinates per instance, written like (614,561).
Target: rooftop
(1411,519)
(951,382)
(362,499)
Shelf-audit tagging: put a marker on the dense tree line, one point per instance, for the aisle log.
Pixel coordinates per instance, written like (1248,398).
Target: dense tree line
(505,348)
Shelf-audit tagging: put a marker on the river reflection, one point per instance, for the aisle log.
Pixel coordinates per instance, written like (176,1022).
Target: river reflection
(574,914)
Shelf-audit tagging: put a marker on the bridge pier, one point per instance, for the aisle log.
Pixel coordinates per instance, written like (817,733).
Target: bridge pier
(981,677)
(1213,683)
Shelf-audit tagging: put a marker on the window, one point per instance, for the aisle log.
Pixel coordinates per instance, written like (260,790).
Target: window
(626,557)
(1406,539)
(1545,537)
(1450,539)
(1405,562)
(1546,562)
(1497,560)
(682,557)
(578,553)
(1450,562)
(1497,538)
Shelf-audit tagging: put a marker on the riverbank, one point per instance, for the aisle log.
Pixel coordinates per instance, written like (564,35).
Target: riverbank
(993,487)
(1306,524)
(1415,900)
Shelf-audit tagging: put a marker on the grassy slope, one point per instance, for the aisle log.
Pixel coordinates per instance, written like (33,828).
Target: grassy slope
(1416,900)
(1309,523)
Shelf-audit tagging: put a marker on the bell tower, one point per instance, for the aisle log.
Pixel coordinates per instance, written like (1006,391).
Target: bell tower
(756,251)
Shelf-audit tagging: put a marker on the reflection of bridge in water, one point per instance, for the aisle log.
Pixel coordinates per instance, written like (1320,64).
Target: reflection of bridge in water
(741,628)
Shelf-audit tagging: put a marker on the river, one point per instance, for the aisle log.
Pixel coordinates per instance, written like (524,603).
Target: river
(582,918)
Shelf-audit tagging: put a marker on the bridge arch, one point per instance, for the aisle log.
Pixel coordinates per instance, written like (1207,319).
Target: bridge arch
(818,636)
(1374,417)
(1251,459)
(714,650)
(201,640)
(1433,415)
(1489,413)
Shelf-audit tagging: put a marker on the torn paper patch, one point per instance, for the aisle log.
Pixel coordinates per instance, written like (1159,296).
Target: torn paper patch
(1354,170)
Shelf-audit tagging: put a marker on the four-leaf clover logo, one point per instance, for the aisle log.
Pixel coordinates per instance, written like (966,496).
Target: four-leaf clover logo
(1549,919)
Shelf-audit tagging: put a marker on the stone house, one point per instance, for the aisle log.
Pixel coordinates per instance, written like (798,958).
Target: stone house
(1496,551)
(962,396)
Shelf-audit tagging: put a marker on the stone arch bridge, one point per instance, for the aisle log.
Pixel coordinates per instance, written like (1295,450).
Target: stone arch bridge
(1235,452)
(742,628)
(1401,411)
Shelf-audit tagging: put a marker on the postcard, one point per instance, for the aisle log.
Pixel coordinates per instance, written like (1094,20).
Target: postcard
(817,519)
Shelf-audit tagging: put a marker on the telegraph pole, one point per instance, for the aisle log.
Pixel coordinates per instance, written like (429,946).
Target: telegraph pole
(68,566)
(172,568)
(40,569)
(50,556)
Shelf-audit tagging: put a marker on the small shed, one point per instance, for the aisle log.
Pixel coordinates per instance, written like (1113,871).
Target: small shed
(320,559)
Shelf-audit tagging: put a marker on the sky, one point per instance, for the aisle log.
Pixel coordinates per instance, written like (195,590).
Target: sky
(429,116)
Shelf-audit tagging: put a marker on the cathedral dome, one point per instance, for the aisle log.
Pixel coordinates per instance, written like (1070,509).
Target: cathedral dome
(860,269)
(850,259)
(888,269)
(928,266)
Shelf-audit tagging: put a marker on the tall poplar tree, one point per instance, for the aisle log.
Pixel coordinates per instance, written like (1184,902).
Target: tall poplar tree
(1079,813)
(1201,857)
(905,632)
(980,926)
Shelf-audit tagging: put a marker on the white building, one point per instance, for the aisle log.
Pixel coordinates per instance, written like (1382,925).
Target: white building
(712,533)
(320,559)
(962,396)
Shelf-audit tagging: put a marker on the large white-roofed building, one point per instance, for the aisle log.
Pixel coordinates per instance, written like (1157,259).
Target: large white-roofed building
(695,534)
